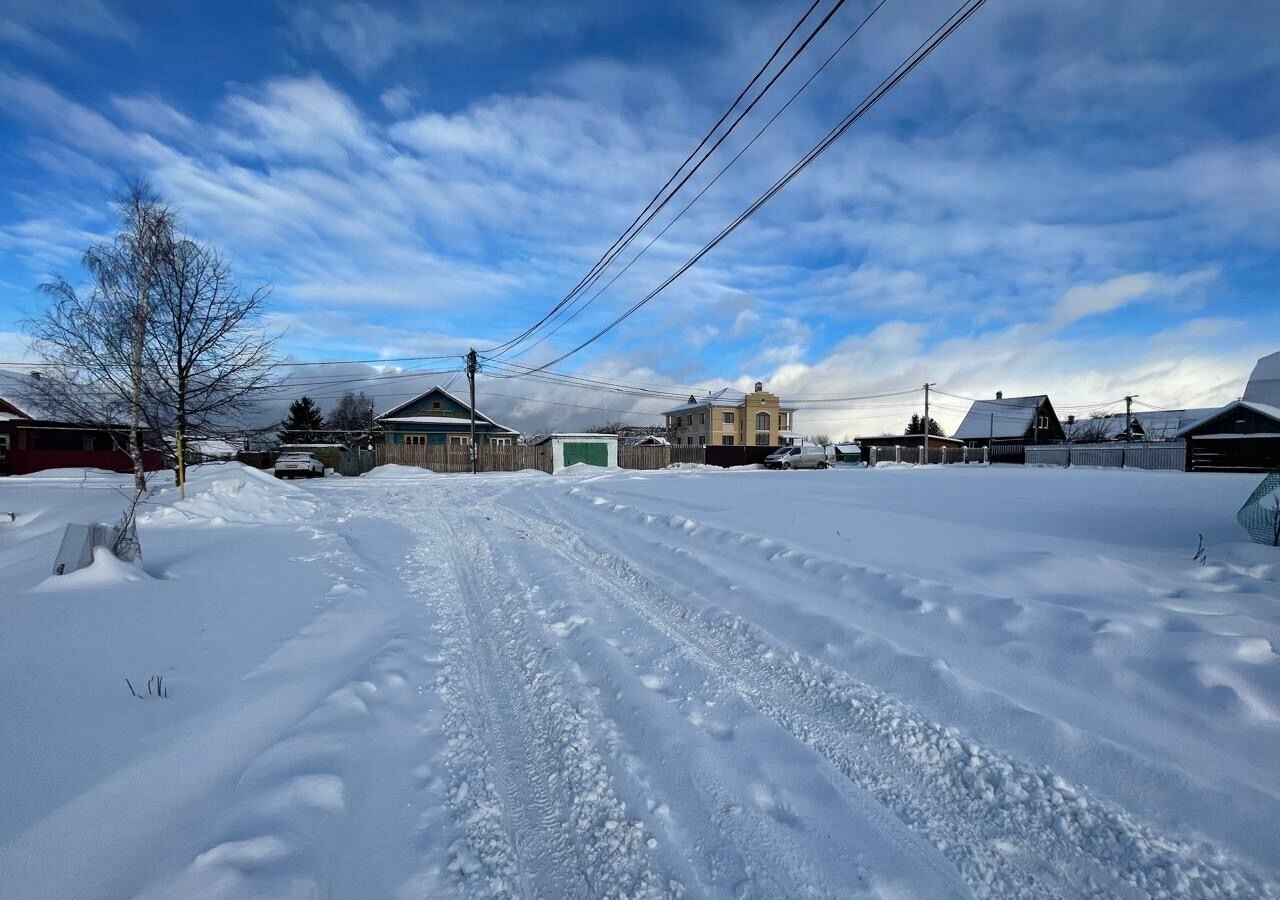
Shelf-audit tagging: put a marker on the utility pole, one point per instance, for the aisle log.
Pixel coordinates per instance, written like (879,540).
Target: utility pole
(1128,417)
(927,385)
(472,366)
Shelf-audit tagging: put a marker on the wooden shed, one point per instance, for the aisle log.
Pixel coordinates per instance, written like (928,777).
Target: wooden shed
(1243,436)
(588,449)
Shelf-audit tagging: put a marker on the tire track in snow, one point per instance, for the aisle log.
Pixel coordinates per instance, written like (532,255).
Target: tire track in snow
(727,801)
(1011,830)
(531,787)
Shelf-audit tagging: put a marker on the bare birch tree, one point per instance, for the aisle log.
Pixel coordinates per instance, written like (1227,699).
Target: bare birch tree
(96,341)
(208,359)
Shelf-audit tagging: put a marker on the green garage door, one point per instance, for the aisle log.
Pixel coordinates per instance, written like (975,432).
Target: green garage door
(593,454)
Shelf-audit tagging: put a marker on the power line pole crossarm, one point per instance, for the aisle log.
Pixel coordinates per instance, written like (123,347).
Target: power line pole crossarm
(472,366)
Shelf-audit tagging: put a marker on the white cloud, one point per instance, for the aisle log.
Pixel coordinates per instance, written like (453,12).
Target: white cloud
(397,100)
(744,322)
(1086,300)
(31,24)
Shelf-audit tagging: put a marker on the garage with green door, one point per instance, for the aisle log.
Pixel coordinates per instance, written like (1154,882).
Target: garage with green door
(581,450)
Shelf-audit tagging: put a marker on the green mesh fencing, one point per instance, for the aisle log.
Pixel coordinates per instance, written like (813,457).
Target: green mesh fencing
(1259,515)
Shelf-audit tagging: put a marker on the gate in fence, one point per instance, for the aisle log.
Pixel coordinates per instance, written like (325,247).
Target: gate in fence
(355,462)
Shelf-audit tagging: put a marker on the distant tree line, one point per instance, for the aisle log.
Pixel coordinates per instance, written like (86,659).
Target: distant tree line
(349,423)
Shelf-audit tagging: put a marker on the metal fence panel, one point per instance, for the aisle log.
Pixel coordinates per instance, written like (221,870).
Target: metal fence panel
(1160,455)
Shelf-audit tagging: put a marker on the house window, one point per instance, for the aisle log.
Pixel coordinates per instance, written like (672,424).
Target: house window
(728,418)
(702,441)
(1042,421)
(702,418)
(416,440)
(784,420)
(435,404)
(459,440)
(727,439)
(762,421)
(500,441)
(762,439)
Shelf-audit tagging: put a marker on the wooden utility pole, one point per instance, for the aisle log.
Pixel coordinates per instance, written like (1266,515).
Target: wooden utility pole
(927,385)
(472,366)
(1128,417)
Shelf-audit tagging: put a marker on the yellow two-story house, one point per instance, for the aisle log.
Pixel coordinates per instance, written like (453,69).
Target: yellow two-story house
(731,418)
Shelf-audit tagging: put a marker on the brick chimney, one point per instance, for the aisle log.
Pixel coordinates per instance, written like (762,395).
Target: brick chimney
(999,395)
(759,387)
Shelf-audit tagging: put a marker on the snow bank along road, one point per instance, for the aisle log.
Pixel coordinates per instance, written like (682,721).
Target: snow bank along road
(884,683)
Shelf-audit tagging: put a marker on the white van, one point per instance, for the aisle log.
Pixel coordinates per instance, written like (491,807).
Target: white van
(806,456)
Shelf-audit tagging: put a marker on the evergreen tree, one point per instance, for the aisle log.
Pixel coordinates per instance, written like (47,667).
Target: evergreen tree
(305,424)
(916,426)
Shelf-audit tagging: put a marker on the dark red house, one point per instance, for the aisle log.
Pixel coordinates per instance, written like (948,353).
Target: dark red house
(33,438)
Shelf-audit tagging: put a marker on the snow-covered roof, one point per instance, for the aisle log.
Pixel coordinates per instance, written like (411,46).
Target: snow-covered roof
(1264,409)
(425,420)
(1156,425)
(1007,417)
(1264,383)
(848,448)
(723,397)
(576,436)
(20,390)
(431,420)
(645,440)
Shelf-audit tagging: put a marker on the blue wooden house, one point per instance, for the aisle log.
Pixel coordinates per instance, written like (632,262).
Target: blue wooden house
(438,418)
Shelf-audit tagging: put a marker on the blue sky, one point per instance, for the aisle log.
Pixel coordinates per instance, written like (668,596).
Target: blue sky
(1081,199)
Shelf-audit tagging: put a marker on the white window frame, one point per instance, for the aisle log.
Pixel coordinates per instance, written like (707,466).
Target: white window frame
(459,440)
(415,440)
(500,441)
(728,418)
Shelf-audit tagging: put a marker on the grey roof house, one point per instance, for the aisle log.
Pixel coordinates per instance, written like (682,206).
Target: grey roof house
(1011,420)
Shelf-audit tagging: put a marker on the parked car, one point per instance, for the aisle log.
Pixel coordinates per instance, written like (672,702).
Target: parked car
(806,456)
(298,465)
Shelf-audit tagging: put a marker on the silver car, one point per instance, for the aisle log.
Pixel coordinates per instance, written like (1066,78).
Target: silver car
(298,465)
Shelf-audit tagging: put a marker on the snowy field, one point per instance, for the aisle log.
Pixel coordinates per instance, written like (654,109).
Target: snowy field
(954,682)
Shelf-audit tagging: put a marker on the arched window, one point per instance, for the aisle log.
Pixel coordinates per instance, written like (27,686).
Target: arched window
(762,421)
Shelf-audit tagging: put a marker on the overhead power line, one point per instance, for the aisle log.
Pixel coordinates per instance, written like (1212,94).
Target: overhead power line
(582,305)
(636,225)
(922,52)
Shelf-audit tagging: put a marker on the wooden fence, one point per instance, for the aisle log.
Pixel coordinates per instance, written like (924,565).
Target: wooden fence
(656,457)
(456,458)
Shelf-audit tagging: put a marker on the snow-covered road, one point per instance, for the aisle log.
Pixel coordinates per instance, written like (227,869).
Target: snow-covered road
(988,683)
